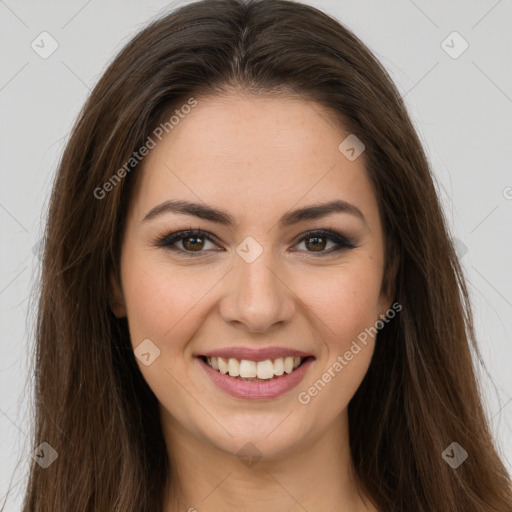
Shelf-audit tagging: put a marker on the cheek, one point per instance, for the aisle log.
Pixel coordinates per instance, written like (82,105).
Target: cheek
(163,302)
(159,300)
(344,299)
(344,307)
(162,305)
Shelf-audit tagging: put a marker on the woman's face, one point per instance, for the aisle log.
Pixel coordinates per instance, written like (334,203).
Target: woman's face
(256,291)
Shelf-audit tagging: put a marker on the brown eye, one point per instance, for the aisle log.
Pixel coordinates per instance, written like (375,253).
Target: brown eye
(193,243)
(324,242)
(316,243)
(188,243)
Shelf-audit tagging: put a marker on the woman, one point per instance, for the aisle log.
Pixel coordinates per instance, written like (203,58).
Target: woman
(250,300)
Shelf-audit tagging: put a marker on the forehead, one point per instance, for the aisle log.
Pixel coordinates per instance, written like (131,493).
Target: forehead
(254,153)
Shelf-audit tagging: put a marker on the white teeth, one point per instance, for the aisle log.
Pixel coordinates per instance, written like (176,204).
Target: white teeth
(247,369)
(223,365)
(265,369)
(279,366)
(233,367)
(288,364)
(251,369)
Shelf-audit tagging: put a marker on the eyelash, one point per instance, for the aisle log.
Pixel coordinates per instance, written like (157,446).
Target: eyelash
(169,241)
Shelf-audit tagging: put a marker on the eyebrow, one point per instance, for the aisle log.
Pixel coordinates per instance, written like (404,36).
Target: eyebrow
(203,211)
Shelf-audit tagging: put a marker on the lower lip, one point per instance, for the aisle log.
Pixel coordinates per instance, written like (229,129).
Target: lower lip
(257,390)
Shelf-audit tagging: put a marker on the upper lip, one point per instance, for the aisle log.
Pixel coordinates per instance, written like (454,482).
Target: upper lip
(254,354)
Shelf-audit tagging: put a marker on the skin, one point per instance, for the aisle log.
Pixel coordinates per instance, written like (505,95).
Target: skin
(257,158)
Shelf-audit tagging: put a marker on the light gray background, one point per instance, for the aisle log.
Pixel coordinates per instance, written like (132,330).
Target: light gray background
(461,107)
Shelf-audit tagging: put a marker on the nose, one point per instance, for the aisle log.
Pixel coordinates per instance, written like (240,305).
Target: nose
(256,297)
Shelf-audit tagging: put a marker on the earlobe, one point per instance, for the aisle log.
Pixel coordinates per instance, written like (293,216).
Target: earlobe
(116,297)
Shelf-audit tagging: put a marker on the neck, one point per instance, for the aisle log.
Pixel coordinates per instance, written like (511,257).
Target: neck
(315,475)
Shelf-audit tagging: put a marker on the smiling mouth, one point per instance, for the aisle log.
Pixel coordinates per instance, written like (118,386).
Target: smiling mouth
(252,371)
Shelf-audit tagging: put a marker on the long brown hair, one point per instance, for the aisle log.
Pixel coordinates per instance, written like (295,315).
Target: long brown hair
(420,393)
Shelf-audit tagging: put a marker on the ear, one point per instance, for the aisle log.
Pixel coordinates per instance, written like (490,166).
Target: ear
(388,288)
(116,297)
